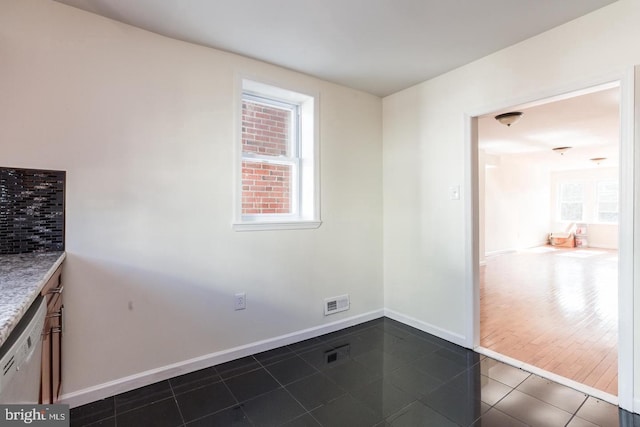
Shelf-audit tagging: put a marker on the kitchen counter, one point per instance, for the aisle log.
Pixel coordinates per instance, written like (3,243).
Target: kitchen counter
(22,277)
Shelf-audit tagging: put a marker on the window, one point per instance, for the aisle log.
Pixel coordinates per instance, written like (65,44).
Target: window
(590,201)
(278,162)
(607,201)
(571,202)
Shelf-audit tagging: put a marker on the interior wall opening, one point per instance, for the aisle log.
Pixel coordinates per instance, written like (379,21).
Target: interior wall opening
(548,206)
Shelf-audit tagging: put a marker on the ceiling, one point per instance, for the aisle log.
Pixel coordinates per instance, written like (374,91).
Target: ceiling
(587,122)
(378,46)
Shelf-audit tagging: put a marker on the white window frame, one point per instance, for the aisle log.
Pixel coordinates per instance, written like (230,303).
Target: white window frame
(598,201)
(590,201)
(561,201)
(305,191)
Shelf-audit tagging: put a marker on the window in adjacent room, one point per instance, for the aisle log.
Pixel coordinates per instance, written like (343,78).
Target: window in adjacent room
(607,201)
(278,186)
(571,202)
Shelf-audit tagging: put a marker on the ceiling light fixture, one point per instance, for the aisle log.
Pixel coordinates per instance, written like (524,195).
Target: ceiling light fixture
(561,150)
(510,118)
(597,160)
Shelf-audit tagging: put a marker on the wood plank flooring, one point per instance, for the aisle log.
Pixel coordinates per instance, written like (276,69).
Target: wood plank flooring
(554,308)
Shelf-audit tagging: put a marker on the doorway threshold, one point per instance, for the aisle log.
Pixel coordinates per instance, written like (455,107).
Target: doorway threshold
(598,394)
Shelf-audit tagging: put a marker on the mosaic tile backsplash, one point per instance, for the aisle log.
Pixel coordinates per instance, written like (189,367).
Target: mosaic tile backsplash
(31,210)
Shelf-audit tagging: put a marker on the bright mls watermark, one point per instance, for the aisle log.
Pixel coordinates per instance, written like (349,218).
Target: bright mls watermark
(34,415)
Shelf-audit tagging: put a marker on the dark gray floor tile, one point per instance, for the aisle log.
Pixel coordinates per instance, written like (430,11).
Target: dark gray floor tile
(599,412)
(195,379)
(327,356)
(378,336)
(502,372)
(419,415)
(340,334)
(351,375)
(495,418)
(315,391)
(305,345)
(415,382)
(407,351)
(532,411)
(273,408)
(443,343)
(275,355)
(232,417)
(251,384)
(382,397)
(440,367)
(92,412)
(486,389)
(553,393)
(352,346)
(345,412)
(107,422)
(418,345)
(460,355)
(237,367)
(142,396)
(372,339)
(305,420)
(203,401)
(381,362)
(290,370)
(394,329)
(462,407)
(163,413)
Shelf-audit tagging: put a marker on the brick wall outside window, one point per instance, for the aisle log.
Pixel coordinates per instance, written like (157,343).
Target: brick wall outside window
(265,186)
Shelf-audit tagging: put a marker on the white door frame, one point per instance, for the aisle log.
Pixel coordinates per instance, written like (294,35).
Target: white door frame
(627,154)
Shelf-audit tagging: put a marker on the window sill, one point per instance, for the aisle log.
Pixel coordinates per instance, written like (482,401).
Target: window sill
(275,225)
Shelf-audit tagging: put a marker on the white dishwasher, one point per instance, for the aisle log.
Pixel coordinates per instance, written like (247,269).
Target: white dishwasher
(20,357)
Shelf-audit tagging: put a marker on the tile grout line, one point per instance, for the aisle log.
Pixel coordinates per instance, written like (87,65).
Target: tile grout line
(282,386)
(175,399)
(575,414)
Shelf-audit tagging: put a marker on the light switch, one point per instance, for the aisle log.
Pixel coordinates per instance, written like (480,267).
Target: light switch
(454,192)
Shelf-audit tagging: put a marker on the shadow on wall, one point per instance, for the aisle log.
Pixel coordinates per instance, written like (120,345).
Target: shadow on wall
(122,320)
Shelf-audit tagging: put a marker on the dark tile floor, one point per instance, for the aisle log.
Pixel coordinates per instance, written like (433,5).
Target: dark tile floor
(380,373)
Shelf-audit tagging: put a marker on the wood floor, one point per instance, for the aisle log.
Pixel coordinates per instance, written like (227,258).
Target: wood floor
(556,309)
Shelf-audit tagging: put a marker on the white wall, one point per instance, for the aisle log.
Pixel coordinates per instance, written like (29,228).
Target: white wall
(516,200)
(424,152)
(144,127)
(599,235)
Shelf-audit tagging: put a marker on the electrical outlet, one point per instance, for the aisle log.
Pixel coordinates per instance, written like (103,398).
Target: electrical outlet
(240,301)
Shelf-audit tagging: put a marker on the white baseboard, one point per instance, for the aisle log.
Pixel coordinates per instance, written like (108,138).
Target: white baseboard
(426,327)
(131,382)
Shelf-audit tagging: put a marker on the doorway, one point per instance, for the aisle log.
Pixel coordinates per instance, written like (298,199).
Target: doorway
(527,231)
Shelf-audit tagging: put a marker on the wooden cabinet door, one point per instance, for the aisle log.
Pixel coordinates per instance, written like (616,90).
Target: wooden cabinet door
(56,354)
(51,376)
(45,377)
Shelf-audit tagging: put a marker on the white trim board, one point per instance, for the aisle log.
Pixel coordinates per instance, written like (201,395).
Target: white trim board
(131,382)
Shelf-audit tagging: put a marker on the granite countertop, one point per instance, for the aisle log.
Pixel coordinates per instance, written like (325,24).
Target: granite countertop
(22,277)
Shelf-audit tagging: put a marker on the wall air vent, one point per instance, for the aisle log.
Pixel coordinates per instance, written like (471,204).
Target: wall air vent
(336,304)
